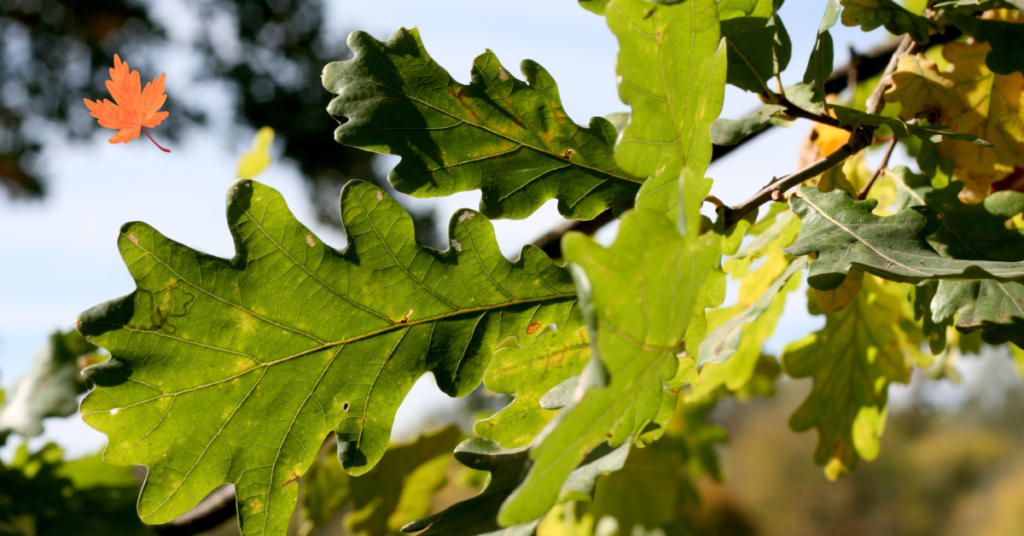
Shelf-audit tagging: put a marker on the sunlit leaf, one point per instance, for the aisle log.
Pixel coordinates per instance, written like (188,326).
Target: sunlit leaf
(973,232)
(970,99)
(291,339)
(852,360)
(870,14)
(844,233)
(508,138)
(641,294)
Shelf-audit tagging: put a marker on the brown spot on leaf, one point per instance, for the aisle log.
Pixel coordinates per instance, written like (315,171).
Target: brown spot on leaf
(532,328)
(294,477)
(345,406)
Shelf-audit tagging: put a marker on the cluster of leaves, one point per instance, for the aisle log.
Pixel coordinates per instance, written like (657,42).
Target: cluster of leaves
(43,494)
(237,370)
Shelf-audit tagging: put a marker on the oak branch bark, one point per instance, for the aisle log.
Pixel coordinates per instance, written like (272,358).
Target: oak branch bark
(867,65)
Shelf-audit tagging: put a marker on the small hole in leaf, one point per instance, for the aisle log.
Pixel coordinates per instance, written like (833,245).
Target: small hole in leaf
(345,406)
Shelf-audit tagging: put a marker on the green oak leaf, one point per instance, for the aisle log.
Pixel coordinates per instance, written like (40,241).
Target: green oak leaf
(656,481)
(758,47)
(819,65)
(594,6)
(235,371)
(732,131)
(1005,38)
(870,14)
(479,516)
(973,232)
(672,68)
(639,296)
(844,233)
(51,387)
(508,138)
(530,373)
(852,360)
(728,9)
(851,117)
(731,352)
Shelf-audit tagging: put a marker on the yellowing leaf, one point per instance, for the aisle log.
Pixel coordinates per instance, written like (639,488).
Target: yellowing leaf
(257,159)
(837,299)
(870,14)
(970,99)
(822,141)
(853,359)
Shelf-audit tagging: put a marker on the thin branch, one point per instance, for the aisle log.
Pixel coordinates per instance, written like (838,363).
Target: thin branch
(860,138)
(863,194)
(793,110)
(869,64)
(875,102)
(736,213)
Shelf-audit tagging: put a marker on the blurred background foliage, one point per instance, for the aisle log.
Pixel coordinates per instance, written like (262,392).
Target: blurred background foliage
(952,463)
(268,53)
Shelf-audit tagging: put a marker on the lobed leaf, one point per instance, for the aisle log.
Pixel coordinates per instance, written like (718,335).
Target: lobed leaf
(234,371)
(844,233)
(852,360)
(1005,38)
(851,117)
(530,373)
(479,516)
(672,70)
(972,100)
(870,14)
(974,232)
(732,131)
(511,140)
(731,352)
(758,46)
(640,296)
(819,65)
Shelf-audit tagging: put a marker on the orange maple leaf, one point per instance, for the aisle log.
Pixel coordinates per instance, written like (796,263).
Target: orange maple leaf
(135,110)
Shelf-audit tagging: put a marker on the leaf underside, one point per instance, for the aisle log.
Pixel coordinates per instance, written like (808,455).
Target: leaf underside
(844,233)
(508,138)
(234,371)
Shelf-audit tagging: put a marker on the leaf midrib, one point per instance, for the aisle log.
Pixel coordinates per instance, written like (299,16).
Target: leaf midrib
(494,132)
(1002,287)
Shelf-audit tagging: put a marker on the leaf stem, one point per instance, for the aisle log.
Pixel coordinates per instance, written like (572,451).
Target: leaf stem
(869,64)
(154,141)
(861,137)
(796,111)
(863,194)
(734,214)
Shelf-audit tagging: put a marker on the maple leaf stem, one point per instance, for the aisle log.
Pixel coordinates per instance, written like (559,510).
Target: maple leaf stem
(154,141)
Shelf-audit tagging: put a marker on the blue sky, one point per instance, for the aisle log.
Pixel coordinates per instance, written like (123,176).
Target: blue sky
(59,257)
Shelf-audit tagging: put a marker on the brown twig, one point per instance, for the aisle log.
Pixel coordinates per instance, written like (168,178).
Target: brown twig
(860,138)
(793,110)
(852,69)
(863,193)
(869,64)
(774,190)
